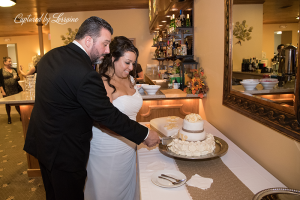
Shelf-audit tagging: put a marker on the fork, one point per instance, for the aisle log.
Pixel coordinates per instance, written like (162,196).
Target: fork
(177,180)
(174,183)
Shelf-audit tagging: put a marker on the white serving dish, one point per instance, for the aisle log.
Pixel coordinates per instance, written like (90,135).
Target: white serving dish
(249,85)
(250,80)
(140,89)
(268,83)
(151,89)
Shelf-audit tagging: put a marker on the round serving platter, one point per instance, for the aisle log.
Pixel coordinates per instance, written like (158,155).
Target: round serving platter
(277,194)
(220,150)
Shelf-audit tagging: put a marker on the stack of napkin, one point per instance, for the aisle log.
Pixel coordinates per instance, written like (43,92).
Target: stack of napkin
(200,182)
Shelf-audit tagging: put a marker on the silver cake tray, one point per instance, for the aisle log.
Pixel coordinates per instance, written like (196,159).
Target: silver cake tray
(220,150)
(277,194)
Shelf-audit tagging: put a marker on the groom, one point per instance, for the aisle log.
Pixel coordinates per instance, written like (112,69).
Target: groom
(70,95)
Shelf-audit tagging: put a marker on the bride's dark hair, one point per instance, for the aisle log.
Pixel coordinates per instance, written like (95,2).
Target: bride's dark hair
(118,46)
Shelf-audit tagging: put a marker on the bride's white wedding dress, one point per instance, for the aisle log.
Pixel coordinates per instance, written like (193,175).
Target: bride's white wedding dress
(111,169)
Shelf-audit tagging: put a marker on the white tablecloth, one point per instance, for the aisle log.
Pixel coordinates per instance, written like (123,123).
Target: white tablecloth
(253,175)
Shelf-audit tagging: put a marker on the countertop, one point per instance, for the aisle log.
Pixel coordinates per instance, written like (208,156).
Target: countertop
(253,73)
(260,90)
(27,98)
(20,98)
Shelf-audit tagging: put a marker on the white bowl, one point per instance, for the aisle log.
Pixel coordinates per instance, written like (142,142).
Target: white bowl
(250,80)
(249,85)
(139,87)
(151,89)
(268,83)
(268,80)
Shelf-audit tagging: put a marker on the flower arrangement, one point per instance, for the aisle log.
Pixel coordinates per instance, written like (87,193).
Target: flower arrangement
(197,83)
(70,36)
(241,32)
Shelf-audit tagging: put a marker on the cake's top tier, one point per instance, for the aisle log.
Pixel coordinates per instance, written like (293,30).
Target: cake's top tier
(193,118)
(193,122)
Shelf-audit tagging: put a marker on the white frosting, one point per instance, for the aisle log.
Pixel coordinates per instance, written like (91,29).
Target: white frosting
(193,117)
(198,148)
(168,126)
(193,126)
(191,136)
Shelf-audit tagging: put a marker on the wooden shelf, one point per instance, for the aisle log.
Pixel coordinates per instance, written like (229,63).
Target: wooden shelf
(166,8)
(173,57)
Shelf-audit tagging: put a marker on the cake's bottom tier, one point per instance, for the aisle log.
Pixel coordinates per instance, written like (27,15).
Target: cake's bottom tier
(191,136)
(198,148)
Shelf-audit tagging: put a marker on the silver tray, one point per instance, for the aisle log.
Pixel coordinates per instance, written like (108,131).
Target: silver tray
(220,150)
(277,194)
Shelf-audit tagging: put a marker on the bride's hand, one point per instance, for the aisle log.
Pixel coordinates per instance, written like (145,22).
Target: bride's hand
(152,139)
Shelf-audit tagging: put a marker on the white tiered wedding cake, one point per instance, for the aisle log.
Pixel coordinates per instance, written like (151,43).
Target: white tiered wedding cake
(192,138)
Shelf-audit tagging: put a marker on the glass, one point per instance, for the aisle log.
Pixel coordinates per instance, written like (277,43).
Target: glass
(30,84)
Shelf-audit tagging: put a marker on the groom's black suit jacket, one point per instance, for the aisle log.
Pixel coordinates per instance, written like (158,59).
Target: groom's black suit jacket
(69,96)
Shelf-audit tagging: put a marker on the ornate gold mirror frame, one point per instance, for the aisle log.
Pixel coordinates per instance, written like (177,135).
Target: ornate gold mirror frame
(275,116)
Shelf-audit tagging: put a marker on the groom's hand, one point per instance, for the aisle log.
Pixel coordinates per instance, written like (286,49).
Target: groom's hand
(152,139)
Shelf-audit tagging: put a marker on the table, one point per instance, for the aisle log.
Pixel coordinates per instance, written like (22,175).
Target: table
(253,175)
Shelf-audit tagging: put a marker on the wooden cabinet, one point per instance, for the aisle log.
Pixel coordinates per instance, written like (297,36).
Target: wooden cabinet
(167,107)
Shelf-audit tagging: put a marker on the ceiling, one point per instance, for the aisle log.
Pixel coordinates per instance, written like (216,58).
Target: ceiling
(8,26)
(275,11)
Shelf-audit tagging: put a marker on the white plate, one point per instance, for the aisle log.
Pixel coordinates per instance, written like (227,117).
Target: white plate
(164,183)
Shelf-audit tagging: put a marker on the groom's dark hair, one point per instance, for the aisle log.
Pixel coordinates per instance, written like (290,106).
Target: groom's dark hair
(91,27)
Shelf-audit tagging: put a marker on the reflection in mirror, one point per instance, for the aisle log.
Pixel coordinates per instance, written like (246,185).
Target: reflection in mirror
(273,107)
(255,53)
(9,50)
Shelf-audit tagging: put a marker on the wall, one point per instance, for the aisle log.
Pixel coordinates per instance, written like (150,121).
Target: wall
(277,41)
(277,153)
(12,53)
(268,37)
(27,47)
(131,23)
(3,53)
(253,14)
(286,37)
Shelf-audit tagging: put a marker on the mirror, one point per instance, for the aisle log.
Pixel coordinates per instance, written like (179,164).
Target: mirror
(275,110)
(9,50)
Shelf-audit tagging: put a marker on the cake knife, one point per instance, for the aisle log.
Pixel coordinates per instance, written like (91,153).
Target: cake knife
(166,140)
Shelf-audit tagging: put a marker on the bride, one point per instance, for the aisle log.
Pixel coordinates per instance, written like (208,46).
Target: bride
(111,169)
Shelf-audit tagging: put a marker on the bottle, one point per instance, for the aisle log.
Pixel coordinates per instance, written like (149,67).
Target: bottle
(154,40)
(183,50)
(189,49)
(160,36)
(186,43)
(187,21)
(250,65)
(174,24)
(170,84)
(178,21)
(182,19)
(254,65)
(156,53)
(173,48)
(243,65)
(161,53)
(171,25)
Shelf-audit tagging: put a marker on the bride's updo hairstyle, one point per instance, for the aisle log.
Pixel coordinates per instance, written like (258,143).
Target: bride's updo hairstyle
(118,46)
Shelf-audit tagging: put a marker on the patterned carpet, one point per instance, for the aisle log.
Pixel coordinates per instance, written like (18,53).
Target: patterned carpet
(14,182)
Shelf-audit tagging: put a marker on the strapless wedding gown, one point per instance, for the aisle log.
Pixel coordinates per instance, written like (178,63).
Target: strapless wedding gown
(111,169)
